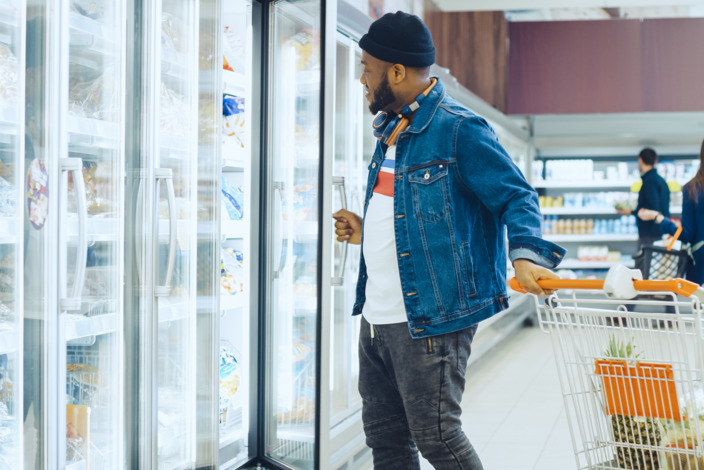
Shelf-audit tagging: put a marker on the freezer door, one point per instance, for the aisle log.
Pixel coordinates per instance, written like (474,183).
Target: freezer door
(12,59)
(352,130)
(292,244)
(91,228)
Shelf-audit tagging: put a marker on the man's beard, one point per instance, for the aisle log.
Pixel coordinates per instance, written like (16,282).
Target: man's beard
(383,97)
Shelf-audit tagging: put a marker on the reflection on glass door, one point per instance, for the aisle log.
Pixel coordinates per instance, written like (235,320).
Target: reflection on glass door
(11,254)
(354,145)
(175,192)
(292,246)
(91,229)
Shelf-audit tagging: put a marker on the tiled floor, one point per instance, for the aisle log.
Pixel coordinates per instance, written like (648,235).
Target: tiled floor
(513,411)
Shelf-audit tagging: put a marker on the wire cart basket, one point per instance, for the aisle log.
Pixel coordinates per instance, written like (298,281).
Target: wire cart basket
(633,390)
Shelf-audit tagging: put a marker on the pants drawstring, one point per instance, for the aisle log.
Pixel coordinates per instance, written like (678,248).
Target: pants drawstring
(371,329)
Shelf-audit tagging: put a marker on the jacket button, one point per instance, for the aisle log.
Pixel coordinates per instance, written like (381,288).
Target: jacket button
(373,165)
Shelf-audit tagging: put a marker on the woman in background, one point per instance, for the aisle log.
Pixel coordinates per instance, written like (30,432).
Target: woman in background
(692,221)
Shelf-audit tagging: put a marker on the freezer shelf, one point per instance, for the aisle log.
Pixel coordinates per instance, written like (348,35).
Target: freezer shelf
(98,228)
(8,15)
(81,326)
(7,230)
(8,341)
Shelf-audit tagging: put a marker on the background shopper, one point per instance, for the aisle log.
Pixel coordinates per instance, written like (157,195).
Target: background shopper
(440,191)
(692,221)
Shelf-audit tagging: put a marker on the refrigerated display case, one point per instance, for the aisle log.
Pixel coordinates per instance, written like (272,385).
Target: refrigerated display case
(238,223)
(12,52)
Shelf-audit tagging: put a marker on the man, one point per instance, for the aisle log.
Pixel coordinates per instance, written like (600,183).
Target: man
(433,264)
(654,194)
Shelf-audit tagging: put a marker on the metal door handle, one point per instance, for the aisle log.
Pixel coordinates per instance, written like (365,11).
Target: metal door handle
(139,230)
(279,187)
(167,175)
(339,278)
(75,166)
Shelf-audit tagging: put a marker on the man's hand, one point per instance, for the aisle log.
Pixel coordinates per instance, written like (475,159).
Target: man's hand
(529,273)
(647,214)
(348,227)
(624,210)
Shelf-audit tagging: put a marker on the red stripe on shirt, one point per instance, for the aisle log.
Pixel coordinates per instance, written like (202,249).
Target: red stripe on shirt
(385,184)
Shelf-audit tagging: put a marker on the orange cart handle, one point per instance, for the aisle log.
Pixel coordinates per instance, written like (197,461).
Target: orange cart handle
(674,238)
(677,286)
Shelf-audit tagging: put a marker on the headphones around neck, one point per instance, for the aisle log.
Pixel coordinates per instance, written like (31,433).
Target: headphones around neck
(383,128)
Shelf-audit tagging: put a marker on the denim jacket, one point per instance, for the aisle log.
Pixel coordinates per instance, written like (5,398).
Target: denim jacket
(455,188)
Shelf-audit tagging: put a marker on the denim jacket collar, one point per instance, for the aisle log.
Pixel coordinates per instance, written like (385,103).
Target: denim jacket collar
(427,109)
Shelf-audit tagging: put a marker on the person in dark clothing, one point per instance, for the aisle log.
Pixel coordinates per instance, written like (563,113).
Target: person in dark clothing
(692,221)
(654,195)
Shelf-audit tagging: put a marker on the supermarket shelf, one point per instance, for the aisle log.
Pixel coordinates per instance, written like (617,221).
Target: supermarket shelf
(581,184)
(80,326)
(234,83)
(588,238)
(234,228)
(231,302)
(8,341)
(232,165)
(80,465)
(591,210)
(102,130)
(172,311)
(99,228)
(7,231)
(576,264)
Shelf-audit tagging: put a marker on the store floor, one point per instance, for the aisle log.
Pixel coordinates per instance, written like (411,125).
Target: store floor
(513,411)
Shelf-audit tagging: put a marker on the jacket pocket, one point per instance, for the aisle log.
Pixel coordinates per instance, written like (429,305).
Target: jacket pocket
(429,190)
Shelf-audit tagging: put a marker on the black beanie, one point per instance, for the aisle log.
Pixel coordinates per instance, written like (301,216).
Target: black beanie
(400,38)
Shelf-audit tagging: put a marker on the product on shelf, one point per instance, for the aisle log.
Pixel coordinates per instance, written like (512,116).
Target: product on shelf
(232,271)
(233,200)
(8,198)
(229,379)
(77,433)
(97,98)
(305,43)
(173,105)
(171,32)
(96,180)
(624,225)
(233,121)
(7,317)
(304,203)
(8,75)
(88,8)
(233,49)
(7,278)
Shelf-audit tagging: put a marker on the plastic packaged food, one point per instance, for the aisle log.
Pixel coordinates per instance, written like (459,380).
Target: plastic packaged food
(171,32)
(8,199)
(229,379)
(234,53)
(88,8)
(8,75)
(233,200)
(306,44)
(96,99)
(231,271)
(233,121)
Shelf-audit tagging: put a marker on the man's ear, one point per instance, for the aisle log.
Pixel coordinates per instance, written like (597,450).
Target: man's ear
(396,74)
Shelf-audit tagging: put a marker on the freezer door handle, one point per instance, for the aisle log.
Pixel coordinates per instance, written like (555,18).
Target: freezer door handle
(283,247)
(166,174)
(339,278)
(75,167)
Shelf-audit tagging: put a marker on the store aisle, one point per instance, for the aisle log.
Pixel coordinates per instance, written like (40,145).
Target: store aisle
(513,411)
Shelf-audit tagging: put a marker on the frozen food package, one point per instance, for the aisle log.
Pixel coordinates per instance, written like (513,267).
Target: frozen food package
(77,433)
(233,121)
(233,48)
(229,378)
(8,76)
(88,8)
(171,32)
(8,199)
(231,271)
(97,98)
(173,105)
(233,200)
(306,45)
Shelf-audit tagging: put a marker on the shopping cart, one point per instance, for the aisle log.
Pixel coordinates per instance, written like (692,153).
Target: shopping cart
(633,394)
(659,262)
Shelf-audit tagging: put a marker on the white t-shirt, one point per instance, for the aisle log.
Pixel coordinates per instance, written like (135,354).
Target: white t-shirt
(384,304)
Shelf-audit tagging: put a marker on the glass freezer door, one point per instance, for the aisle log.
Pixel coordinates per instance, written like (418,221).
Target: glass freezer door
(91,229)
(293,240)
(12,138)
